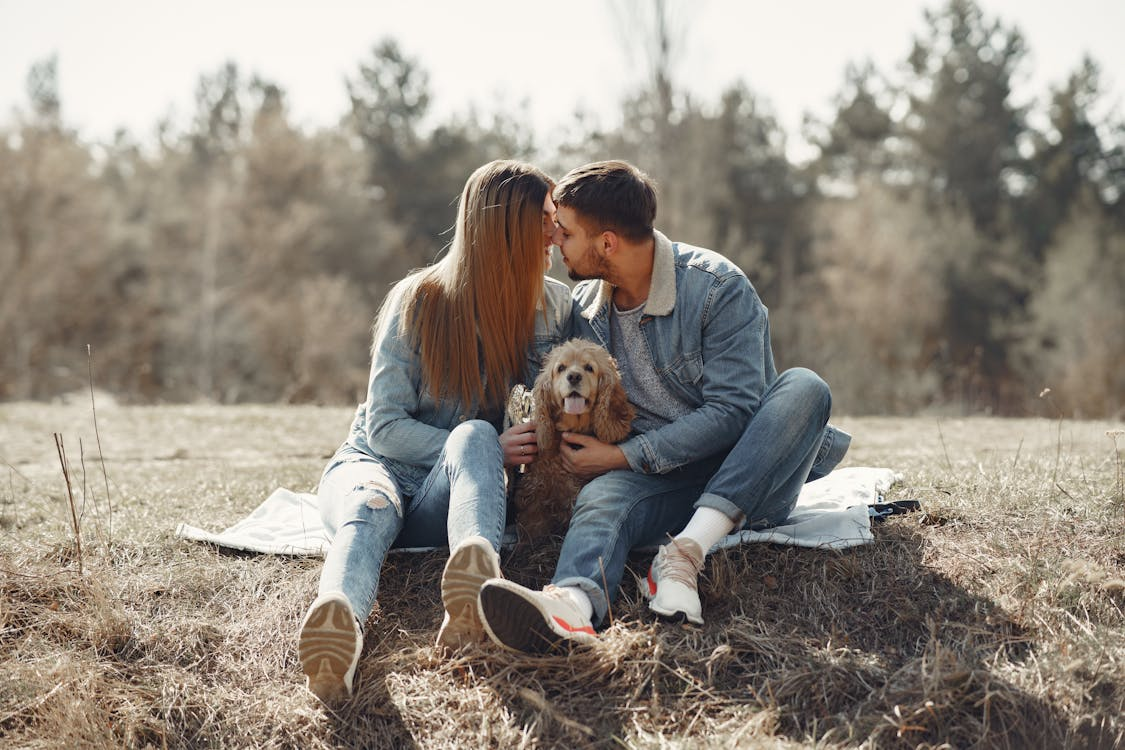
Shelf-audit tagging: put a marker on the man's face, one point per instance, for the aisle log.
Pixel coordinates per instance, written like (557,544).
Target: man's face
(582,254)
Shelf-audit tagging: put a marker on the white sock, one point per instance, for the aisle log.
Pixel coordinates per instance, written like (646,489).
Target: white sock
(580,599)
(706,527)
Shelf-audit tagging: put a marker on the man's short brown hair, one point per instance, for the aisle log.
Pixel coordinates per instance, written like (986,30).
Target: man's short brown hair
(610,195)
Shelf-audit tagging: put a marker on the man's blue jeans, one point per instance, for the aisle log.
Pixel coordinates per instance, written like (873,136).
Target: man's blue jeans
(362,507)
(756,483)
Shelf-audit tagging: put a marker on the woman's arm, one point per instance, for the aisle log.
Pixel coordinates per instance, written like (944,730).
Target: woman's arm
(394,396)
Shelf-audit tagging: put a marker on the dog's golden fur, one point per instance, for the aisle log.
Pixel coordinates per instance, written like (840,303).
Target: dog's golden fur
(587,374)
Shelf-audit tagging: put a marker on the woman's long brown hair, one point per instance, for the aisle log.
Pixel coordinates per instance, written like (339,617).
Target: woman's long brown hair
(473,311)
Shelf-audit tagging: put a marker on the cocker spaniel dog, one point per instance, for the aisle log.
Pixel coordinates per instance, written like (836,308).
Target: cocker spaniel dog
(578,390)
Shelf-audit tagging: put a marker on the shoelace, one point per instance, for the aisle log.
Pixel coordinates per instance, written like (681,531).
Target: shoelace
(554,592)
(678,564)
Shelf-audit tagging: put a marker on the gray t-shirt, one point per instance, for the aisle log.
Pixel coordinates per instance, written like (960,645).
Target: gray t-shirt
(656,405)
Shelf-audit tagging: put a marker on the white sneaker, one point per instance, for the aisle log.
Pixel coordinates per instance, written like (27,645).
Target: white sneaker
(673,581)
(329,646)
(470,564)
(534,622)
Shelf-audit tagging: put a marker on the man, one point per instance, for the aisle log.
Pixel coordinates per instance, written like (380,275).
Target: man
(720,440)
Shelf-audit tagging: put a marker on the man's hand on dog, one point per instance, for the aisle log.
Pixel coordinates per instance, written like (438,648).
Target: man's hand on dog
(518,444)
(582,455)
(587,457)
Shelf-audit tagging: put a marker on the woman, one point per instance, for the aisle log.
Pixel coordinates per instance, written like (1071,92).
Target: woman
(424,463)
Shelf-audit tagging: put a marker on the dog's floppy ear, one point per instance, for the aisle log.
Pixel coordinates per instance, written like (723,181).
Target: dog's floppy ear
(612,413)
(544,407)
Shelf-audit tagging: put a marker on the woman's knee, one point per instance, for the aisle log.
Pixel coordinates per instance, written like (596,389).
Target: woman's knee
(475,429)
(472,435)
(472,443)
(363,501)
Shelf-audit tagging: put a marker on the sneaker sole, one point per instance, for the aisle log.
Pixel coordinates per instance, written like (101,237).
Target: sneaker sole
(329,649)
(517,624)
(675,616)
(467,570)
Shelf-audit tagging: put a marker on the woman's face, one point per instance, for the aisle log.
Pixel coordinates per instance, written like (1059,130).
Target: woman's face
(550,223)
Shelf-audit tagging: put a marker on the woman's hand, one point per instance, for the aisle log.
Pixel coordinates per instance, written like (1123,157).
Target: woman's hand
(518,444)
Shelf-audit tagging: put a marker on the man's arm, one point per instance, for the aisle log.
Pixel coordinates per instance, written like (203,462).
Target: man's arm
(736,365)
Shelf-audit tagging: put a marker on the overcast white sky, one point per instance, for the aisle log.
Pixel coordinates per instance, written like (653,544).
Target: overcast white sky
(126,63)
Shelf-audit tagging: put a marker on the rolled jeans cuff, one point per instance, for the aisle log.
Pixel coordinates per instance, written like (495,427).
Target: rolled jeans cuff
(721,504)
(593,590)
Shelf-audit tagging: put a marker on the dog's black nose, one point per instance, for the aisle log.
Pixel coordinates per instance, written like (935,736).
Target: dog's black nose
(574,378)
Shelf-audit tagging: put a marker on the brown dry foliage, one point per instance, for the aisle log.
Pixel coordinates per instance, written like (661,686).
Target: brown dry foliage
(994,618)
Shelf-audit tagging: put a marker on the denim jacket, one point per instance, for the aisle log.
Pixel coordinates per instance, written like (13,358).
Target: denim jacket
(401,423)
(709,336)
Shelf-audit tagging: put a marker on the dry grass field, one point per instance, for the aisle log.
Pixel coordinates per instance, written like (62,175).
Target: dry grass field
(993,618)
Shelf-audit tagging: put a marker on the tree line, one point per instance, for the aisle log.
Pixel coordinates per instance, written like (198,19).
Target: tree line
(948,249)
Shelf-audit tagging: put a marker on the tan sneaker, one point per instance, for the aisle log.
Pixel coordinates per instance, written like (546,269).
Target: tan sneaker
(470,564)
(329,646)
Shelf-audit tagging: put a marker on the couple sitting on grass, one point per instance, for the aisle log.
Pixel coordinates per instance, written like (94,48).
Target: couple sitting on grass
(720,440)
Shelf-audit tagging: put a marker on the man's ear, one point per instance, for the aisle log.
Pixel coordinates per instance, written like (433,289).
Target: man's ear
(610,242)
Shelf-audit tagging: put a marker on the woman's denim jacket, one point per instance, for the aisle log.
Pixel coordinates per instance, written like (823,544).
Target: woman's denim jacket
(709,336)
(401,423)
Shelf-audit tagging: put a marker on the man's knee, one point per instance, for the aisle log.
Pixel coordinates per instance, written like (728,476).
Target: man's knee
(811,388)
(591,494)
(601,498)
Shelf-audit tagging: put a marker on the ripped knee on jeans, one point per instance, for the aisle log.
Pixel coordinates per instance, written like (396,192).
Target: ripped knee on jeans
(377,496)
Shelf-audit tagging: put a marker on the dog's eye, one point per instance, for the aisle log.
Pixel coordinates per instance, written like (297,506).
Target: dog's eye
(588,368)
(560,368)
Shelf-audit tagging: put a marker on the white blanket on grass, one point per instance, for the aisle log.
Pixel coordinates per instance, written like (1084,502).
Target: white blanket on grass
(831,512)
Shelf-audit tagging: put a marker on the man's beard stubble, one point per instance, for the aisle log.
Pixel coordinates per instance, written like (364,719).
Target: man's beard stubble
(599,269)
